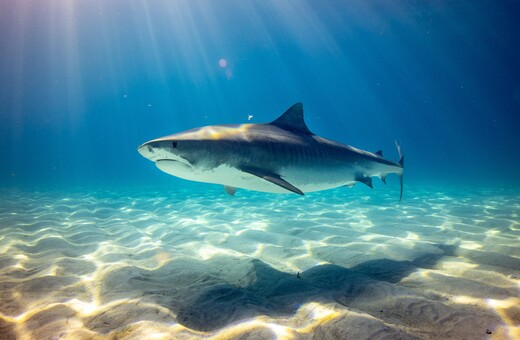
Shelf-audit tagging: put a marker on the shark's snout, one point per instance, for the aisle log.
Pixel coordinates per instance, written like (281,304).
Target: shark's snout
(146,150)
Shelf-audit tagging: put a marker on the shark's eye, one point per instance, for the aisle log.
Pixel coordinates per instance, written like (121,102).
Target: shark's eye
(174,145)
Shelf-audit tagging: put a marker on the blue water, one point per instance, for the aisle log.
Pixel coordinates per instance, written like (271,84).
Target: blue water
(84,83)
(96,241)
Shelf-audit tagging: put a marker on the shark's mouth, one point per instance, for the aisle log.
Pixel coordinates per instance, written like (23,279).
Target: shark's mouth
(169,160)
(175,167)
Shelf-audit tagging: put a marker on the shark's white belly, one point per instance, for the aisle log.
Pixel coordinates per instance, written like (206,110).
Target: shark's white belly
(306,181)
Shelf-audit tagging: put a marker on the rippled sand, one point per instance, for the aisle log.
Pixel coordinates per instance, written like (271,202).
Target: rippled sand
(140,264)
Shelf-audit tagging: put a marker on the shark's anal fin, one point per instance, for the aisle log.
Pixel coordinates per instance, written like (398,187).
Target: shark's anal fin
(273,178)
(230,190)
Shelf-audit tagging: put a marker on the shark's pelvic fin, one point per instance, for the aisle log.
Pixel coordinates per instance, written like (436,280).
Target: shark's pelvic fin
(292,120)
(230,190)
(365,180)
(273,178)
(383,179)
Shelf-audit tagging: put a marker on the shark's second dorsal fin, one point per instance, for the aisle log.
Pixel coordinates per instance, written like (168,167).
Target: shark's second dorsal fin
(292,120)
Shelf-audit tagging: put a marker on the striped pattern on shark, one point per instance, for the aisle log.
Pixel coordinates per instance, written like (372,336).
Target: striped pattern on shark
(283,156)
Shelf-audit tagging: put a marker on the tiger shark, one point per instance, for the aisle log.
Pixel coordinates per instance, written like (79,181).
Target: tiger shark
(282,156)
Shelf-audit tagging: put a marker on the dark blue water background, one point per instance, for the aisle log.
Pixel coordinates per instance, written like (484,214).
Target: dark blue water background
(83,83)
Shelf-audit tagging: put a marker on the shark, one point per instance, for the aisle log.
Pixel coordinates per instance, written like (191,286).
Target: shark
(282,156)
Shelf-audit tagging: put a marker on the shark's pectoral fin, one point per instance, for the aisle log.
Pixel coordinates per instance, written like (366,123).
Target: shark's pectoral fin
(273,178)
(230,190)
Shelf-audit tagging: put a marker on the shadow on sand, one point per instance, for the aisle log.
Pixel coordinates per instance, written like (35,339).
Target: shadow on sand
(203,299)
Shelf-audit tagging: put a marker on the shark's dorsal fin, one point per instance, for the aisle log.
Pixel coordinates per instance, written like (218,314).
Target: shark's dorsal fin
(292,120)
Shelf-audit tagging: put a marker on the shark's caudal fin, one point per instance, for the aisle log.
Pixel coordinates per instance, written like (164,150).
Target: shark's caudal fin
(401,162)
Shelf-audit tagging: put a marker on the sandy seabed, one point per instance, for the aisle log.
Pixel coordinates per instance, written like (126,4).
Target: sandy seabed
(342,264)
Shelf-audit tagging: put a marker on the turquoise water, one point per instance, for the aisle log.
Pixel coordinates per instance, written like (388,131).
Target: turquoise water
(95,242)
(85,83)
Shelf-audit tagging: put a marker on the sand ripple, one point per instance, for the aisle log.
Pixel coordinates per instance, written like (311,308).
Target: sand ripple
(340,264)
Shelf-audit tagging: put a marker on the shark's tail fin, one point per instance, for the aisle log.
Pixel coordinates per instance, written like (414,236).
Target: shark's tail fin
(401,162)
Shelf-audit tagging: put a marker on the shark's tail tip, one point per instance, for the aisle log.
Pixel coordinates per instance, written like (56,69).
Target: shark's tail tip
(401,157)
(401,162)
